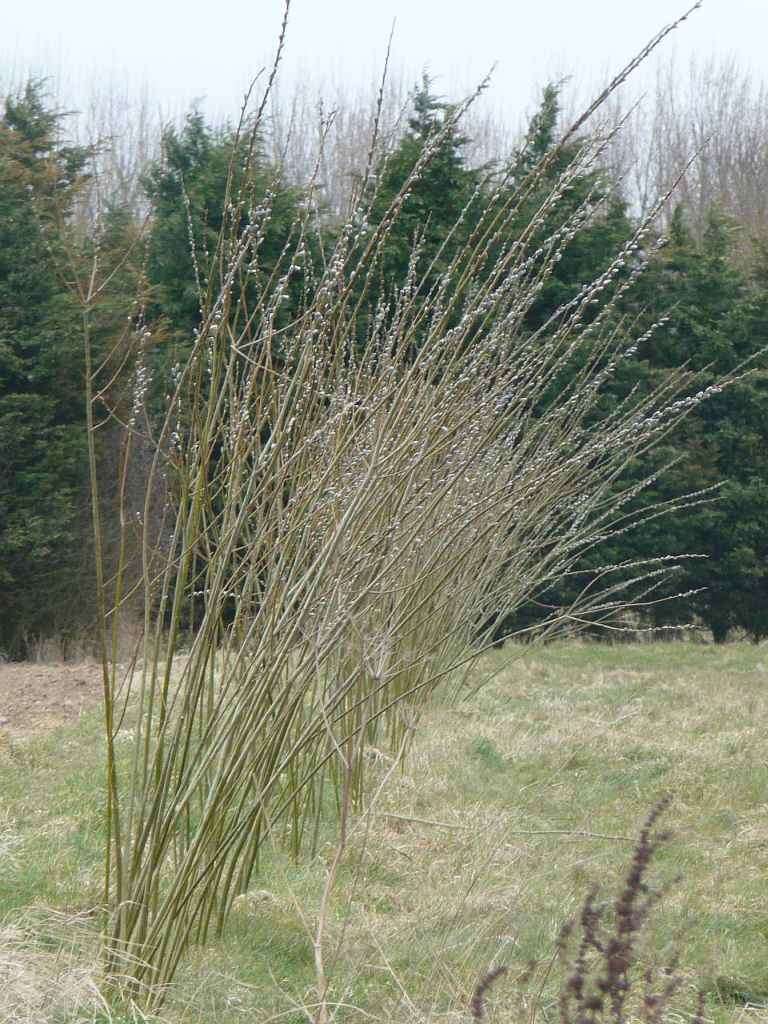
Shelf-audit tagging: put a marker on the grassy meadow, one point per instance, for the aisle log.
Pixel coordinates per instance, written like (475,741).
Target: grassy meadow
(509,807)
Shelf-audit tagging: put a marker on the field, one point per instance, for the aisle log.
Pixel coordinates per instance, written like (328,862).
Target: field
(510,806)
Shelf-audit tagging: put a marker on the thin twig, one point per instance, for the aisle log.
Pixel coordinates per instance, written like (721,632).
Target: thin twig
(579,833)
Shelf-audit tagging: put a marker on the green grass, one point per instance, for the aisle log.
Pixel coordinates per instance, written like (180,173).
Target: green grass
(510,806)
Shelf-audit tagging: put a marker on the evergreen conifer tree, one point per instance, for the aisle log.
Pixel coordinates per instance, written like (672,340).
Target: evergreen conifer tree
(43,468)
(208,185)
(442,204)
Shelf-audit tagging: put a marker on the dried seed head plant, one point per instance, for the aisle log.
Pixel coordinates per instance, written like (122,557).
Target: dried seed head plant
(605,978)
(357,491)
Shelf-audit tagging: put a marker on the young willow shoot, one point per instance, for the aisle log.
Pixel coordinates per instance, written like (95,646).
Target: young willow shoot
(351,494)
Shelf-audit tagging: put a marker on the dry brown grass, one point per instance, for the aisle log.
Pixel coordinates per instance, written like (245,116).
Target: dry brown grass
(46,972)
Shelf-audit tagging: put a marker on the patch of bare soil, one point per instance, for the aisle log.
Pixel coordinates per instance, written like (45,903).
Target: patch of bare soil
(37,698)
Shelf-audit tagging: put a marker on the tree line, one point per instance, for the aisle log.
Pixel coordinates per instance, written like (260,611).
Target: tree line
(701,300)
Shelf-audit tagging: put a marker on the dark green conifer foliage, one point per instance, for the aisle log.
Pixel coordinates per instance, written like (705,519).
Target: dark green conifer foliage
(43,497)
(192,223)
(607,224)
(442,205)
(717,318)
(211,187)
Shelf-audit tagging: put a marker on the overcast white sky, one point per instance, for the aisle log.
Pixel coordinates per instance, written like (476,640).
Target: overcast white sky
(185,49)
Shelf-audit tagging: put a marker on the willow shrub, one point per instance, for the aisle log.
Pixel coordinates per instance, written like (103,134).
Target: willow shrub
(349,495)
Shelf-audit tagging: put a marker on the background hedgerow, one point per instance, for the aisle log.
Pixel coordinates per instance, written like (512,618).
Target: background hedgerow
(143,211)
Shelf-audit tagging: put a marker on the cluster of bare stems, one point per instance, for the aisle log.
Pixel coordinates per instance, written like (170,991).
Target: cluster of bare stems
(714,108)
(350,496)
